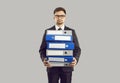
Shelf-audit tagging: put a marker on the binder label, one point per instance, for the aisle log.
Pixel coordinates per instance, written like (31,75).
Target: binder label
(56,59)
(52,45)
(67,38)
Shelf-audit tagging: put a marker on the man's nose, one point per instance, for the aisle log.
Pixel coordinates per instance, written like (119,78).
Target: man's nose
(59,18)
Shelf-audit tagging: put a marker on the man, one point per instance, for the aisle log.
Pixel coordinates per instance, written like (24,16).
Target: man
(62,73)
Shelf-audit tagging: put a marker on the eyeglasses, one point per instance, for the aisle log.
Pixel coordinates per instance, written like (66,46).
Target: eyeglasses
(62,16)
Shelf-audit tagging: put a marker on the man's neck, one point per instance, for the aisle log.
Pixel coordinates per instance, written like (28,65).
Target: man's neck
(60,25)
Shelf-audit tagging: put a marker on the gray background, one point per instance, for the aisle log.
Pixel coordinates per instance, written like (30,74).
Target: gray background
(22,24)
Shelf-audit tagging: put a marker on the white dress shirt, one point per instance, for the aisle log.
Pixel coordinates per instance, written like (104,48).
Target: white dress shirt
(59,27)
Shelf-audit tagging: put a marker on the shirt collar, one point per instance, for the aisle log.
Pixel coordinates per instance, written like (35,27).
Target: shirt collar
(59,27)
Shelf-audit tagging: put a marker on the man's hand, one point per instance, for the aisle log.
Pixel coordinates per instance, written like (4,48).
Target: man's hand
(73,63)
(46,63)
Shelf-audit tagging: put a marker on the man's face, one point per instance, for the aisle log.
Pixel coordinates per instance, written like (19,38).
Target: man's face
(59,17)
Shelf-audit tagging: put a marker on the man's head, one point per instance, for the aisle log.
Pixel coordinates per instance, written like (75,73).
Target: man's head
(59,15)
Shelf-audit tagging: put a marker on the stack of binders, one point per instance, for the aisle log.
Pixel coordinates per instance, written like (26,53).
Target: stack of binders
(60,47)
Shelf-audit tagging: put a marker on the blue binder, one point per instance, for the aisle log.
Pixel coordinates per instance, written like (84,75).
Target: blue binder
(60,45)
(59,38)
(60,59)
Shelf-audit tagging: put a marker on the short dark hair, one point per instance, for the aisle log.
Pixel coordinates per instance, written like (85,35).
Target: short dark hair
(59,9)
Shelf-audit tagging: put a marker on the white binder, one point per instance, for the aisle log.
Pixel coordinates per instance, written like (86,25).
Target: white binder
(60,32)
(60,64)
(59,52)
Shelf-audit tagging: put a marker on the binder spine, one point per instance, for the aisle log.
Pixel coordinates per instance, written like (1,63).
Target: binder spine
(59,38)
(60,59)
(61,32)
(59,52)
(60,64)
(60,46)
